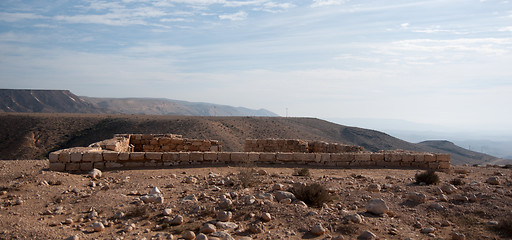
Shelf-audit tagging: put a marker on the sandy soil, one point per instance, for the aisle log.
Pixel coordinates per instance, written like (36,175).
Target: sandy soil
(39,204)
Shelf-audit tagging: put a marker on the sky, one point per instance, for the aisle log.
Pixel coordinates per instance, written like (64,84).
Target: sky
(445,63)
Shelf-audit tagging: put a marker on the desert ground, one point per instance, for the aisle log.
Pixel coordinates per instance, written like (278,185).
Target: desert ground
(252,202)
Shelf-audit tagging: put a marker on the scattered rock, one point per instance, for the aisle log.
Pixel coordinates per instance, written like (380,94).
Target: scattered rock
(190,197)
(226,225)
(494,180)
(208,228)
(255,228)
(377,206)
(417,197)
(493,223)
(222,235)
(95,174)
(318,229)
(225,203)
(355,218)
(224,216)
(367,235)
(178,220)
(460,198)
(458,236)
(188,235)
(153,198)
(191,180)
(286,201)
(266,217)
(74,237)
(277,187)
(68,221)
(437,207)
(98,227)
(280,195)
(201,236)
(374,187)
(449,188)
(167,212)
(262,172)
(428,230)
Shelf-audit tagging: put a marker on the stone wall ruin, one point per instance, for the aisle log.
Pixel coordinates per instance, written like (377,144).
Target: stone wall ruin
(167,150)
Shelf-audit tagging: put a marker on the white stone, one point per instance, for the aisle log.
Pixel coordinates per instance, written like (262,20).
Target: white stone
(98,227)
(224,216)
(318,229)
(266,217)
(417,197)
(95,173)
(377,206)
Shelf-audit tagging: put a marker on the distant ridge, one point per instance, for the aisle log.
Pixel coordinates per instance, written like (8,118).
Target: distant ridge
(44,101)
(64,101)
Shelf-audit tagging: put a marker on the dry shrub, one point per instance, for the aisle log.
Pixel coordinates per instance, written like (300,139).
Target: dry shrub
(457,182)
(428,177)
(138,212)
(505,226)
(314,195)
(247,177)
(301,172)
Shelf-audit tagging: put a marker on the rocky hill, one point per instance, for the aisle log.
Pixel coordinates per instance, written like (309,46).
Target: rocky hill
(33,136)
(64,101)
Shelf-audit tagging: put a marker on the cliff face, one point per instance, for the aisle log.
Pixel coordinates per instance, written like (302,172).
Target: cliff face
(44,101)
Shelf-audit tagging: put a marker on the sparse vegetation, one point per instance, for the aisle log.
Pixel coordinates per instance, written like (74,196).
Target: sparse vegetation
(304,172)
(138,212)
(314,195)
(428,177)
(505,226)
(247,177)
(457,181)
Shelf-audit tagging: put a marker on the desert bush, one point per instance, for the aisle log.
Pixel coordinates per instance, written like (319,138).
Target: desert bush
(314,195)
(301,172)
(505,226)
(428,177)
(247,177)
(138,212)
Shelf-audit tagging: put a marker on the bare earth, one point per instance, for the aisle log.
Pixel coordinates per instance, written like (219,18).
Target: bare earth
(40,204)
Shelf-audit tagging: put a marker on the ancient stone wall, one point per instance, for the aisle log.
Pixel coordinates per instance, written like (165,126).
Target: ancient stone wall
(119,153)
(169,143)
(297,145)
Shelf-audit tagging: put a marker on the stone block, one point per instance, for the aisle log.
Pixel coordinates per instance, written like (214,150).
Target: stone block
(111,165)
(285,157)
(57,166)
(157,156)
(99,165)
(419,157)
(184,157)
(76,156)
(134,164)
(170,156)
(406,157)
(152,163)
(342,164)
(444,165)
(196,157)
(137,156)
(363,157)
(443,157)
(299,157)
(86,166)
(53,157)
(309,157)
(73,167)
(123,156)
(92,156)
(239,157)
(210,156)
(268,157)
(224,157)
(64,157)
(110,156)
(377,157)
(325,157)
(429,157)
(254,157)
(393,157)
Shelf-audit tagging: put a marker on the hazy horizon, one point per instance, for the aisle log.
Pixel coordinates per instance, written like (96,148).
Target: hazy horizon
(442,63)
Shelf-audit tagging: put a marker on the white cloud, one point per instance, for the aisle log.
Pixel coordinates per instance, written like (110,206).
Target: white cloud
(323,3)
(404,25)
(506,29)
(15,17)
(106,19)
(241,15)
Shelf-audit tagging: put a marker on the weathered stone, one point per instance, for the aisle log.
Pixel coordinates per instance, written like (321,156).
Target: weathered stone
(224,216)
(494,180)
(98,227)
(266,217)
(201,236)
(449,188)
(152,198)
(208,228)
(377,206)
(458,236)
(255,228)
(167,212)
(178,220)
(355,218)
(318,229)
(367,235)
(222,235)
(280,195)
(188,235)
(373,188)
(226,225)
(417,197)
(428,230)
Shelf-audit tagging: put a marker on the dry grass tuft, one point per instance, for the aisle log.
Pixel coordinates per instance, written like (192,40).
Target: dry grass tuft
(428,177)
(304,172)
(314,195)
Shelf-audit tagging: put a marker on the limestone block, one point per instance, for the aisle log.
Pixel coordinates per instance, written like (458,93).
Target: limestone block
(336,157)
(433,165)
(111,165)
(76,156)
(377,157)
(72,166)
(254,157)
(239,157)
(419,157)
(326,157)
(164,141)
(421,165)
(110,155)
(123,156)
(92,156)
(157,156)
(299,157)
(285,157)
(137,156)
(407,157)
(99,165)
(406,164)
(268,157)
(134,164)
(210,156)
(57,166)
(152,163)
(429,157)
(342,164)
(86,166)
(53,157)
(393,157)
(224,157)
(348,157)
(443,157)
(196,157)
(64,157)
(444,165)
(170,156)
(309,157)
(184,157)
(362,157)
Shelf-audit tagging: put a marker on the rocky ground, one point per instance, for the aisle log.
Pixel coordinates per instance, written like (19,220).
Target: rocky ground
(252,203)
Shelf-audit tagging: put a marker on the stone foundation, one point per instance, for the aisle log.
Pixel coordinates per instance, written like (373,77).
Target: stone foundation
(297,145)
(121,152)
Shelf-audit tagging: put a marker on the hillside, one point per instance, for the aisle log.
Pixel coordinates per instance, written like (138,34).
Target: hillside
(33,136)
(157,106)
(46,101)
(64,101)
(461,154)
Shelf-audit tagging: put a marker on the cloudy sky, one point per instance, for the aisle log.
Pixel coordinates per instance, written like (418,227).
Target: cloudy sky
(444,62)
